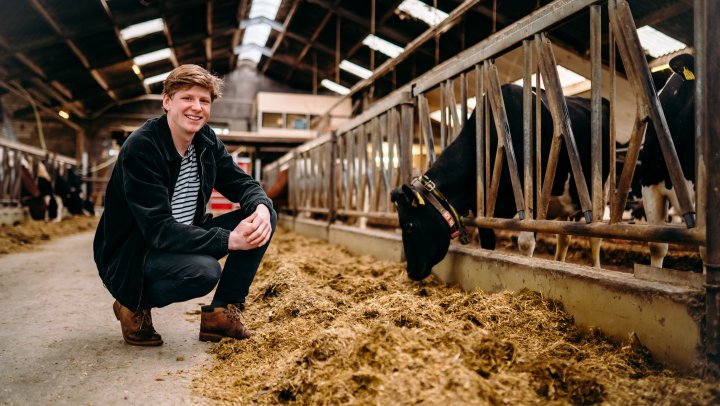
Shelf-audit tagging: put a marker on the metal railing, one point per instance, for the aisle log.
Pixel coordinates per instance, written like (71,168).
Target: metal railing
(373,153)
(12,156)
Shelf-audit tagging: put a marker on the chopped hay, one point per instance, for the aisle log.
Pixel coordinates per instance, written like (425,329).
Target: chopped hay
(25,235)
(333,328)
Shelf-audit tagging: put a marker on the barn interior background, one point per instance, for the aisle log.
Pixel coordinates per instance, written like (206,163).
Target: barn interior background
(385,77)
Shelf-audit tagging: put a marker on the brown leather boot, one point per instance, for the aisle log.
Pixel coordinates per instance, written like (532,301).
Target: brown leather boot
(219,322)
(137,327)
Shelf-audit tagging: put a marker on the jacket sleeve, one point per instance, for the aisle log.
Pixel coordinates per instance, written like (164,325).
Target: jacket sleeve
(145,178)
(236,185)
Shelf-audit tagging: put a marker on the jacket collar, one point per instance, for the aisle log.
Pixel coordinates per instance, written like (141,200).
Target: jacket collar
(201,139)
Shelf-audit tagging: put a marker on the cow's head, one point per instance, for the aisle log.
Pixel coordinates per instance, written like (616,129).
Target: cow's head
(683,65)
(425,234)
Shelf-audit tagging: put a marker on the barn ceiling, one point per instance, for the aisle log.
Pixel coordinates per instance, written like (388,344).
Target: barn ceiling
(70,55)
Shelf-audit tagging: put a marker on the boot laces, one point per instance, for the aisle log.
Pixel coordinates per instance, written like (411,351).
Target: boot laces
(235,313)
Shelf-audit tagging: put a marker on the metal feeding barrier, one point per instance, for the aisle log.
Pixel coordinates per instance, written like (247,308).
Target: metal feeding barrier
(14,156)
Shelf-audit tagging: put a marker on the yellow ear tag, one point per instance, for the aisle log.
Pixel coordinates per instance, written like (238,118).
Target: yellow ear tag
(688,74)
(420,199)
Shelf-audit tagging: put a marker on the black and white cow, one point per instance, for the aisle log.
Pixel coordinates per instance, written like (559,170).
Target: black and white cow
(427,230)
(53,201)
(677,98)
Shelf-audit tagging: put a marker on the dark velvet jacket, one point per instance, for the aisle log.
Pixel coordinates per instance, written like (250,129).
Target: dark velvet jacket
(138,215)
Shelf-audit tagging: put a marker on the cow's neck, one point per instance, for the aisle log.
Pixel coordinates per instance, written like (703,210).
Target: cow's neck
(454,173)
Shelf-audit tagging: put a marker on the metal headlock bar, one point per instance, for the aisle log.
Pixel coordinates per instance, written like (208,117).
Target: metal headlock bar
(563,128)
(11,156)
(505,144)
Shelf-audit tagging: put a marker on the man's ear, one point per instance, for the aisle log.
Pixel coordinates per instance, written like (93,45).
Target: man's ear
(166,101)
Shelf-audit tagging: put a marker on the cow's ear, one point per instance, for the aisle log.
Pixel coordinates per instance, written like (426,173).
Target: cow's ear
(408,194)
(683,65)
(395,194)
(413,196)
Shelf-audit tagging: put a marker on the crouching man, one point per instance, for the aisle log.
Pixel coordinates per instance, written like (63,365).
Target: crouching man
(154,244)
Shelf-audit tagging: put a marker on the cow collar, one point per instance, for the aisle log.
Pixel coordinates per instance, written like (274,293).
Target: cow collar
(443,206)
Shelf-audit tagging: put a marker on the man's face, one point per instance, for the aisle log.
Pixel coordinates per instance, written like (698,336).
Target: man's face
(188,110)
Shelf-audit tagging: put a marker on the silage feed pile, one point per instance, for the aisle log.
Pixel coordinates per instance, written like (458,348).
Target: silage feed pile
(333,328)
(26,235)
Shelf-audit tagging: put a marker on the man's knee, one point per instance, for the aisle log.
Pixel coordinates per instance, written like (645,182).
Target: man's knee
(207,272)
(273,219)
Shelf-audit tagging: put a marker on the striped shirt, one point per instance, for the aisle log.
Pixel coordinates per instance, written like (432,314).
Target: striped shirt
(184,198)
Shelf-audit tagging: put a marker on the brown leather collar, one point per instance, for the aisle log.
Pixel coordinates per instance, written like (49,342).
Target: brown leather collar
(427,187)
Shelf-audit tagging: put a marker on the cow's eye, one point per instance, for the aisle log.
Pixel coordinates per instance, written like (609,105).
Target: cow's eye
(408,227)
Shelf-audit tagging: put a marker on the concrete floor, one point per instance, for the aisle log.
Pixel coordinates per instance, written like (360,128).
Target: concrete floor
(61,344)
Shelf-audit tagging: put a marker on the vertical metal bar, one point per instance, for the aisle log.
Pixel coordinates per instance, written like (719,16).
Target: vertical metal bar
(611,64)
(426,126)
(313,161)
(495,182)
(406,141)
(527,129)
(544,187)
(486,132)
(332,176)
(306,180)
(700,115)
(504,137)
(561,119)
(385,139)
(352,173)
(463,102)
(538,128)
(293,182)
(341,171)
(443,118)
(596,113)
(710,102)
(392,141)
(479,141)
(364,165)
(452,107)
(631,158)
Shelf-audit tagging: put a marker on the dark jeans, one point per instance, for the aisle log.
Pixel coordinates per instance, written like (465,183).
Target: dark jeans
(172,277)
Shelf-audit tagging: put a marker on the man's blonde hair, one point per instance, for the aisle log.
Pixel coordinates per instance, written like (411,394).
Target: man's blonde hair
(185,76)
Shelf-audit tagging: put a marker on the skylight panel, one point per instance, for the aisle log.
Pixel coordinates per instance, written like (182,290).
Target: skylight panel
(142,29)
(264,8)
(340,89)
(258,34)
(656,43)
(151,57)
(382,45)
(156,78)
(567,78)
(421,11)
(355,69)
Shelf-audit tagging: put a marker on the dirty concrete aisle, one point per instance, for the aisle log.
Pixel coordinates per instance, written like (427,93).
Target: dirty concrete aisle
(61,344)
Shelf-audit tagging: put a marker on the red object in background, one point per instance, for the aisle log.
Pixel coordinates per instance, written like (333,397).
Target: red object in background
(218,203)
